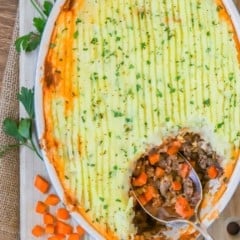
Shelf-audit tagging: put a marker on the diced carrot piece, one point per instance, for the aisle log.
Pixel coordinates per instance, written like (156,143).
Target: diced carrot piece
(80,231)
(184,170)
(41,207)
(176,186)
(63,214)
(150,193)
(174,147)
(48,218)
(159,172)
(52,199)
(140,180)
(183,207)
(63,228)
(212,172)
(60,236)
(50,228)
(74,236)
(153,158)
(142,199)
(57,237)
(41,184)
(38,231)
(53,238)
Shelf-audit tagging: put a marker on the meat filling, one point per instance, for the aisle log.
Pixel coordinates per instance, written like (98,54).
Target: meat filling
(161,180)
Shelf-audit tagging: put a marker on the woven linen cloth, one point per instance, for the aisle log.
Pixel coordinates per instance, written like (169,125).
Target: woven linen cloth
(9,164)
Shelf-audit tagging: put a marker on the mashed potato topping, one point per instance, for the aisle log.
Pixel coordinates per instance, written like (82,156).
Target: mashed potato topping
(117,70)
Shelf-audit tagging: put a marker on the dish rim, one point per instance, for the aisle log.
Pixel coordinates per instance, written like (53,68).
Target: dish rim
(39,120)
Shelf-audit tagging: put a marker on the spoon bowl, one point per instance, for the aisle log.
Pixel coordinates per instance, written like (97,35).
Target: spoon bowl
(163,216)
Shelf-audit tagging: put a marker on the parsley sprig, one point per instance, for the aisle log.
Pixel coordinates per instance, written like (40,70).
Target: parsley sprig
(22,130)
(31,41)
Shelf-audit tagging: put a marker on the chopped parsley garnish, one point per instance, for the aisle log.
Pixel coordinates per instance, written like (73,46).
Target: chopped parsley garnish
(171,88)
(138,87)
(131,66)
(219,125)
(75,35)
(159,93)
(101,198)
(94,41)
(105,206)
(117,114)
(207,102)
(138,76)
(128,120)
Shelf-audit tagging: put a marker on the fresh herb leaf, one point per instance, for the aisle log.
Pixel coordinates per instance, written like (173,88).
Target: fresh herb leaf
(47,7)
(31,41)
(39,24)
(26,97)
(10,128)
(28,42)
(24,128)
(21,131)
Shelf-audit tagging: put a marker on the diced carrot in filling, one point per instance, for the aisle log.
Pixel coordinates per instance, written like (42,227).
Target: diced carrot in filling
(142,199)
(153,158)
(150,193)
(176,186)
(159,172)
(184,170)
(140,180)
(183,208)
(212,172)
(174,147)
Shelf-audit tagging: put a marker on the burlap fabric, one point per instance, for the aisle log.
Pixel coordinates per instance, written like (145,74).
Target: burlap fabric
(9,164)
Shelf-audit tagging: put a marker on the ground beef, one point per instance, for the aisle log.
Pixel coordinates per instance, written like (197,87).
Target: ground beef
(188,188)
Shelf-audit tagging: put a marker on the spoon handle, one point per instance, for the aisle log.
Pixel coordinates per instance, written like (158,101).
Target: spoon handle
(203,230)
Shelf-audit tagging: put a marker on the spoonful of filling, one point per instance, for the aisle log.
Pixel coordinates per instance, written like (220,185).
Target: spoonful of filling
(166,185)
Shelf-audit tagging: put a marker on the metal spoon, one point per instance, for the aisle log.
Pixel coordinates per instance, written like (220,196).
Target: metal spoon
(167,218)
